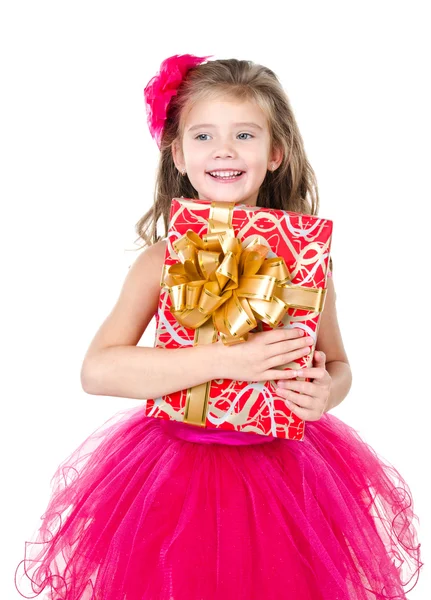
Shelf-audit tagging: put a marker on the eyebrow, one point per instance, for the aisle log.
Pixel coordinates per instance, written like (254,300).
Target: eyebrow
(210,126)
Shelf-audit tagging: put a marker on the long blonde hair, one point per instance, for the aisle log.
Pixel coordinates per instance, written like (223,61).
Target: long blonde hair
(291,187)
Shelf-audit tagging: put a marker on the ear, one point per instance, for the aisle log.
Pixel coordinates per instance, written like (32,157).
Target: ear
(177,155)
(275,158)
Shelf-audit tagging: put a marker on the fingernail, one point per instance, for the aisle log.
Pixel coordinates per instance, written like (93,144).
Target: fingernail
(294,373)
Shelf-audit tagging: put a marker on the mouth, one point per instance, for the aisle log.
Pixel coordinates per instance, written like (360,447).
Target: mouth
(225,176)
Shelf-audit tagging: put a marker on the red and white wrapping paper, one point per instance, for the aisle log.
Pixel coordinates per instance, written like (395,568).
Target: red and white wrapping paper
(304,242)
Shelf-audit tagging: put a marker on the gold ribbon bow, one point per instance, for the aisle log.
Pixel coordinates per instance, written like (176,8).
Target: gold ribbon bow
(220,287)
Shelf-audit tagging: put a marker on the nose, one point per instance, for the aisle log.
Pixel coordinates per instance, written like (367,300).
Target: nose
(224,149)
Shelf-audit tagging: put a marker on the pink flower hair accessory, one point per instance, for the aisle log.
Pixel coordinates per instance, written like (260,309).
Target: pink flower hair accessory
(163,86)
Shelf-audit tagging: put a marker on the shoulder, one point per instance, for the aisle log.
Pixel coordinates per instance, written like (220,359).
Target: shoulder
(150,260)
(144,276)
(155,252)
(136,304)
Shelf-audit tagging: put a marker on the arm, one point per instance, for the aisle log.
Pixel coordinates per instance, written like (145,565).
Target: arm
(141,372)
(115,366)
(341,382)
(330,342)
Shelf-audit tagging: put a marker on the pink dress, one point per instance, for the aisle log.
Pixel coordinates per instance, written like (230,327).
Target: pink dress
(147,509)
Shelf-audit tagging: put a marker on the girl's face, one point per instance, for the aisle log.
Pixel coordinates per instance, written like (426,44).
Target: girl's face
(226,150)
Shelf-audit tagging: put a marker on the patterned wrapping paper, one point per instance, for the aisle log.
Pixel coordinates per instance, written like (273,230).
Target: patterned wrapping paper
(304,242)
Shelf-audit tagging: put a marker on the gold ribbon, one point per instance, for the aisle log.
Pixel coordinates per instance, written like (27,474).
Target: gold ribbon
(220,288)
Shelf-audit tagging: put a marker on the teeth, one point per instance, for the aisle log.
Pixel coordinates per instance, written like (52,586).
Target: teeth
(225,173)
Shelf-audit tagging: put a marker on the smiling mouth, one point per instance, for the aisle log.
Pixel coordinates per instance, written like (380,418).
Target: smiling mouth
(225,175)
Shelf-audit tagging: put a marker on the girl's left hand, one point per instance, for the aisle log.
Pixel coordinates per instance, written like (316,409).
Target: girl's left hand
(308,399)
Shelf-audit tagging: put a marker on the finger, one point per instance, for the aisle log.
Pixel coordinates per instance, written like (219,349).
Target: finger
(287,357)
(298,401)
(311,372)
(302,387)
(320,356)
(287,350)
(280,333)
(286,374)
(307,413)
(276,375)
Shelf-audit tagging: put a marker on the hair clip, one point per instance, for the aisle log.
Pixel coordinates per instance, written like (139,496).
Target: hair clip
(163,86)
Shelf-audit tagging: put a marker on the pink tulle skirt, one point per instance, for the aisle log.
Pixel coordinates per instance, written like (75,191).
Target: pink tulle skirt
(147,509)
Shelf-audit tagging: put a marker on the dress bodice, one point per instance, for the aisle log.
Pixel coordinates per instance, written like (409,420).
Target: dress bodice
(204,435)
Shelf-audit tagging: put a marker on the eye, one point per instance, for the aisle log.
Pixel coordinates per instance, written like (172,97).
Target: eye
(199,137)
(249,134)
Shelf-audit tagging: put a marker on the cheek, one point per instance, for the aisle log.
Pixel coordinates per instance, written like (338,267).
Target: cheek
(259,169)
(259,161)
(194,160)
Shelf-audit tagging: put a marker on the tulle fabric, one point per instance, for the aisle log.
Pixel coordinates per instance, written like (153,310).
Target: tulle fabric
(147,509)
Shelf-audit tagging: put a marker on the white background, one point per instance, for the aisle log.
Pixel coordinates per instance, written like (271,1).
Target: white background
(78,169)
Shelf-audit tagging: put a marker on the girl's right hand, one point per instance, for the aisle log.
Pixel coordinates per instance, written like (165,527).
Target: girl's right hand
(257,358)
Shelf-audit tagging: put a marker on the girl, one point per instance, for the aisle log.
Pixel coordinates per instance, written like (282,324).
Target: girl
(153,509)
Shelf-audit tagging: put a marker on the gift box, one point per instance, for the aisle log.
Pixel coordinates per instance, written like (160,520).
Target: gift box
(229,270)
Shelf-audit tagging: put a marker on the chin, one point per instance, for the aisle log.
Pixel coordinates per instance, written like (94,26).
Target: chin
(226,197)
